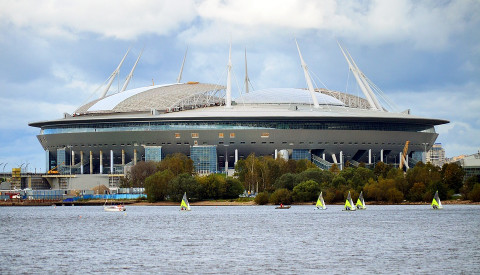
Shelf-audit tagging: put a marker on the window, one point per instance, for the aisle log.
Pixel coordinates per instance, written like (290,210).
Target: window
(194,135)
(232,135)
(220,135)
(177,135)
(265,135)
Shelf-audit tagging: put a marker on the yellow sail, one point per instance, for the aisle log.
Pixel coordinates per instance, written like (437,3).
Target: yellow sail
(184,205)
(359,204)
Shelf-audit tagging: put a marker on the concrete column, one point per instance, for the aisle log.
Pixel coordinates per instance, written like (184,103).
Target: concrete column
(111,161)
(236,155)
(341,160)
(400,158)
(381,155)
(323,156)
(334,159)
(47,152)
(369,156)
(276,153)
(91,162)
(134,156)
(101,162)
(73,158)
(226,164)
(123,157)
(81,162)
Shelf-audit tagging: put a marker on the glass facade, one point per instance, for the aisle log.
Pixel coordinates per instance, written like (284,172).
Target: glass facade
(233,125)
(204,158)
(299,154)
(153,153)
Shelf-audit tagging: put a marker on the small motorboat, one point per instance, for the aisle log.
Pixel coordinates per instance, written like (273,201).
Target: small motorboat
(283,207)
(114,208)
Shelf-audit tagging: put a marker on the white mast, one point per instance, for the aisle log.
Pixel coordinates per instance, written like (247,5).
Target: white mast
(361,81)
(307,78)
(179,78)
(114,75)
(246,73)
(130,75)
(364,79)
(228,102)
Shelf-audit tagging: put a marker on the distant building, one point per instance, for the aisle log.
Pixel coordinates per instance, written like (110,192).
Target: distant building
(436,155)
(470,164)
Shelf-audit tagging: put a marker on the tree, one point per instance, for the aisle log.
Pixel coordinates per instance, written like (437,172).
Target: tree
(468,185)
(262,198)
(287,181)
(452,175)
(183,183)
(140,172)
(316,174)
(213,186)
(156,185)
(416,192)
(233,188)
(177,163)
(306,191)
(281,195)
(474,195)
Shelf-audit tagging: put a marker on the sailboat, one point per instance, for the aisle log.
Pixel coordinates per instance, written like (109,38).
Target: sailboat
(320,202)
(436,203)
(184,205)
(361,202)
(349,206)
(113,208)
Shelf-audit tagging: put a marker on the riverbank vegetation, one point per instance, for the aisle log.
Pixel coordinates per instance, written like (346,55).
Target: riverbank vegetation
(279,181)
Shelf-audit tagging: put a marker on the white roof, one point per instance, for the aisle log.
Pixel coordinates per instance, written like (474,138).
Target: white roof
(110,102)
(286,96)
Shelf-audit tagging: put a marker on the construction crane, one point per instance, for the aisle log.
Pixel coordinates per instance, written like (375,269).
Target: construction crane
(404,155)
(53,171)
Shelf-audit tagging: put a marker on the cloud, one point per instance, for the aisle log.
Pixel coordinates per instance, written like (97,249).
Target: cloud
(120,19)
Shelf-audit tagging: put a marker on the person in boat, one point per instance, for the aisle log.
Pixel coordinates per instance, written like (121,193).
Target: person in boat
(281,205)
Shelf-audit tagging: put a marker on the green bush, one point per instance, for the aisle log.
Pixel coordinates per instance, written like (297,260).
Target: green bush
(474,195)
(306,191)
(281,195)
(262,198)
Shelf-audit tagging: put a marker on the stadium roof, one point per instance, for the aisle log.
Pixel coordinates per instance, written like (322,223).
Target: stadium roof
(286,96)
(159,97)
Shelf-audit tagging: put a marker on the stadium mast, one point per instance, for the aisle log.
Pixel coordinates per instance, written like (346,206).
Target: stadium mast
(130,75)
(362,81)
(228,102)
(114,75)
(179,78)
(307,78)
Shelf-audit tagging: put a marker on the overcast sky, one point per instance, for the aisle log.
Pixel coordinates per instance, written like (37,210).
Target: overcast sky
(424,55)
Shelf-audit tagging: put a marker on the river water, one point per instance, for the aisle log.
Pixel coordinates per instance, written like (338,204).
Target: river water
(240,239)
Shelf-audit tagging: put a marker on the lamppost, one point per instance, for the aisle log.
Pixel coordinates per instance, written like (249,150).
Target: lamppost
(26,167)
(3,170)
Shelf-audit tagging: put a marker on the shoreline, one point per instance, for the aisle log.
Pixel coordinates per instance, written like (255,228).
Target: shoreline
(201,203)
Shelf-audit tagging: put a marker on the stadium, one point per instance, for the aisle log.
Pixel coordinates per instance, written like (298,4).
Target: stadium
(203,121)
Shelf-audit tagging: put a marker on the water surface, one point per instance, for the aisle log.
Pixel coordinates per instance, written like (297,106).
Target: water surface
(240,239)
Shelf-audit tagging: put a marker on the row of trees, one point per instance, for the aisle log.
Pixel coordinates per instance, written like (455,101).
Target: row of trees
(173,176)
(280,181)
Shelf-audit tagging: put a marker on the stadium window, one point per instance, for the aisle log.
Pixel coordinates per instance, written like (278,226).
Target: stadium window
(232,142)
(220,142)
(177,135)
(195,142)
(284,142)
(253,142)
(232,135)
(242,142)
(179,143)
(194,135)
(265,135)
(220,135)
